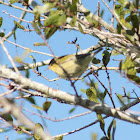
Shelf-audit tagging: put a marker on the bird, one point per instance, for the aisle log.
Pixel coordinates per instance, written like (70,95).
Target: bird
(71,66)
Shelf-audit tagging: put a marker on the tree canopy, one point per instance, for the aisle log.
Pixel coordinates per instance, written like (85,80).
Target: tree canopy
(34,32)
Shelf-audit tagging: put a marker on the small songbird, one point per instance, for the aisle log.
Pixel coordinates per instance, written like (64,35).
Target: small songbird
(71,66)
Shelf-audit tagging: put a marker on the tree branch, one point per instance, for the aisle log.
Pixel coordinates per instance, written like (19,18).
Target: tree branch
(20,116)
(71,99)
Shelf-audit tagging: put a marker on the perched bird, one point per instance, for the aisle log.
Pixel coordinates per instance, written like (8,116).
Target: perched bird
(71,66)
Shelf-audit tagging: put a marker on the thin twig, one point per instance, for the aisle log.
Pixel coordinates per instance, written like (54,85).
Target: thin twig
(135,93)
(79,129)
(8,92)
(115,15)
(31,66)
(98,7)
(9,56)
(17,7)
(17,128)
(112,20)
(104,88)
(123,108)
(54,120)
(15,27)
(103,68)
(21,97)
(124,90)
(27,48)
(120,99)
(17,17)
(110,93)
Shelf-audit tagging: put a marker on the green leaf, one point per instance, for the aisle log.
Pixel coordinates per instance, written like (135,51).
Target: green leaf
(27,73)
(49,32)
(109,130)
(94,136)
(106,57)
(31,56)
(119,28)
(127,34)
(34,24)
(128,95)
(120,66)
(92,94)
(7,117)
(18,59)
(105,93)
(14,33)
(13,1)
(114,129)
(2,34)
(135,20)
(72,110)
(83,90)
(134,78)
(25,2)
(39,44)
(59,138)
(80,28)
(38,128)
(119,11)
(128,66)
(73,7)
(1,20)
(124,3)
(102,13)
(121,99)
(126,24)
(30,99)
(18,25)
(102,123)
(56,19)
(37,107)
(46,106)
(37,19)
(96,61)
(73,21)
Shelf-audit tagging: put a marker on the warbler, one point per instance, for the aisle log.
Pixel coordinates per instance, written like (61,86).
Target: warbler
(71,66)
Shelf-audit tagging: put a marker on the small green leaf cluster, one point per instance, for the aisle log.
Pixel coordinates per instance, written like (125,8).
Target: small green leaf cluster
(93,93)
(128,66)
(56,16)
(129,18)
(1,33)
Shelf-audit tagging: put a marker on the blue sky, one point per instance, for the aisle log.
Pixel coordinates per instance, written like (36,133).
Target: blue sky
(59,46)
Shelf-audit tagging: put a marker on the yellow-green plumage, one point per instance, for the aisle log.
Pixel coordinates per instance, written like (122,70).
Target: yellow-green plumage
(70,66)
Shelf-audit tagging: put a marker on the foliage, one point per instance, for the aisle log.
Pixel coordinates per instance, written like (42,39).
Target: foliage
(50,17)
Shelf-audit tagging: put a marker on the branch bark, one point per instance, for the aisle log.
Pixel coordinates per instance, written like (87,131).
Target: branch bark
(46,91)
(21,117)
